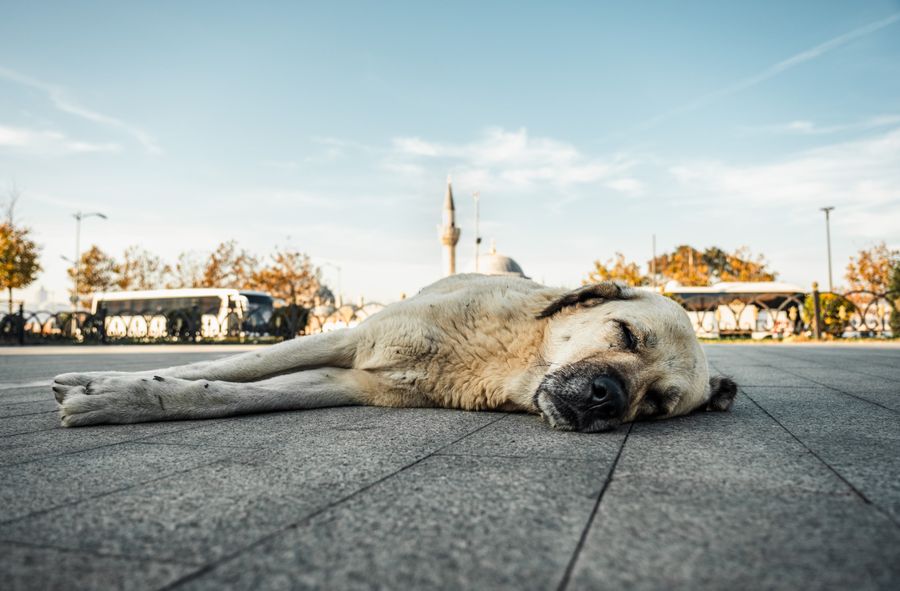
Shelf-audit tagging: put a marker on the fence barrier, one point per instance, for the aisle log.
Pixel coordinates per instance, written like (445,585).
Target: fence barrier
(813,315)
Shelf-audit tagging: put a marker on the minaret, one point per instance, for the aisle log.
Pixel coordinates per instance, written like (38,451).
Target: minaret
(449,233)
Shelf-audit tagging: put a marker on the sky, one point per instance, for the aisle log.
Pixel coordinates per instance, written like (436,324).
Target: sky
(330,128)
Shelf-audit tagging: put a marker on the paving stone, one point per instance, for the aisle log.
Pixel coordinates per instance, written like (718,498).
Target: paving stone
(672,534)
(63,480)
(207,513)
(27,408)
(269,428)
(361,497)
(736,451)
(15,449)
(29,394)
(859,440)
(450,522)
(528,436)
(28,423)
(27,568)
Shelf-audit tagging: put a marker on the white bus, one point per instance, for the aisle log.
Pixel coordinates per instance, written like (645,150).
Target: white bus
(143,314)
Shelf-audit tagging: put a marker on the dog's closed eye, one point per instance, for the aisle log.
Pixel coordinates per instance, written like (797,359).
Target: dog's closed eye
(629,341)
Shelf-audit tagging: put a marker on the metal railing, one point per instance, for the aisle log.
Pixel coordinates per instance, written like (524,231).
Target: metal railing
(811,315)
(178,326)
(816,315)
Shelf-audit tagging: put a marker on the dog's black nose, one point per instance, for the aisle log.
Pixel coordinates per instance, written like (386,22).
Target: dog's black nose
(607,396)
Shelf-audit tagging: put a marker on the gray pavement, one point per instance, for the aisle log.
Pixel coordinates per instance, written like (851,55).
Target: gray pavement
(797,487)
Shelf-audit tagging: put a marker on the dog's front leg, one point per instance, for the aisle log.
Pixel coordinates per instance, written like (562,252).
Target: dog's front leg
(136,399)
(333,349)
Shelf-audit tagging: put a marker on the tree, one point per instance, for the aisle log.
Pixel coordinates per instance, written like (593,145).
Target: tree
(188,272)
(742,265)
(19,255)
(894,297)
(870,269)
(689,266)
(685,265)
(229,267)
(140,269)
(19,259)
(291,276)
(98,272)
(618,269)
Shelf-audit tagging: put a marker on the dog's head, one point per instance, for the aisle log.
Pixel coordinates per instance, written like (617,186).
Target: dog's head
(615,354)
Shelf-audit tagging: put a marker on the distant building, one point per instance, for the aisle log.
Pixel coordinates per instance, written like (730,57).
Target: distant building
(491,263)
(494,263)
(448,232)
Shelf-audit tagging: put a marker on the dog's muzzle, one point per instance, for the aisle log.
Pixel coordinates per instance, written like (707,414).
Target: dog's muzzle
(582,404)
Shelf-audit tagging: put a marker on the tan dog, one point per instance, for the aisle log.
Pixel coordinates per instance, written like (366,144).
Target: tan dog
(585,360)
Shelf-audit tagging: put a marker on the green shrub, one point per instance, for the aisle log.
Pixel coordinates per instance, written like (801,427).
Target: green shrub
(836,311)
(894,297)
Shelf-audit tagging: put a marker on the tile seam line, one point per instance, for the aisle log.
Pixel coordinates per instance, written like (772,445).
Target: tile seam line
(823,385)
(570,568)
(107,493)
(78,451)
(854,371)
(856,491)
(838,390)
(97,554)
(876,363)
(312,515)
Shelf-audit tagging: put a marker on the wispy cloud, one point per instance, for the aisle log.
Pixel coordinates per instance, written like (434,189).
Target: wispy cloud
(804,127)
(860,177)
(511,159)
(46,142)
(59,99)
(773,70)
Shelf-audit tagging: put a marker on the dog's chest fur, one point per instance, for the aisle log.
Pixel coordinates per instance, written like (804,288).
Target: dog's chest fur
(475,348)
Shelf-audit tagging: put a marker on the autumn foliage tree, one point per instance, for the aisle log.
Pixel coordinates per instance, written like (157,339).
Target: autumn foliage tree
(230,266)
(187,271)
(689,266)
(871,268)
(617,269)
(19,255)
(97,271)
(290,276)
(19,259)
(141,269)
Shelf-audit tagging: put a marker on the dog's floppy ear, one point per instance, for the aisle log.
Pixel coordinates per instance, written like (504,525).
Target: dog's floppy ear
(722,393)
(606,290)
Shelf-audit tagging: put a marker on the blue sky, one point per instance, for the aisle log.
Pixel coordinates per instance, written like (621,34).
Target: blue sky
(331,127)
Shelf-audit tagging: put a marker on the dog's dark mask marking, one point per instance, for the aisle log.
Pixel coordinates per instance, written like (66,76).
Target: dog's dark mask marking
(595,293)
(569,389)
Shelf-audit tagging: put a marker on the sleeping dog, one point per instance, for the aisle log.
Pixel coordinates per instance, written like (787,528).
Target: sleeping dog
(585,360)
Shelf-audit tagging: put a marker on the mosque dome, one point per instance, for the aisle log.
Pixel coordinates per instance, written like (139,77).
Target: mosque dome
(494,263)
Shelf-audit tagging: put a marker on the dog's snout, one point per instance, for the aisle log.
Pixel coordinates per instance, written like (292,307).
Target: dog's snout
(608,396)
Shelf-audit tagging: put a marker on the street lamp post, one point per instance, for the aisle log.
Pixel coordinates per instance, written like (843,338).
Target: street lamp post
(828,211)
(78,217)
(340,297)
(476,196)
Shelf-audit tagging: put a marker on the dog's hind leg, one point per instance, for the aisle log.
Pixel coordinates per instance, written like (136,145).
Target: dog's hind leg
(332,349)
(136,399)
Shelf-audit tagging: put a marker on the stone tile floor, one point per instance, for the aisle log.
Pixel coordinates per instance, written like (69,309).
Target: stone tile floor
(797,487)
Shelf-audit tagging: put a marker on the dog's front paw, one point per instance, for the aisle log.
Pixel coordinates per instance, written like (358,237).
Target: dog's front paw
(110,400)
(78,409)
(68,384)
